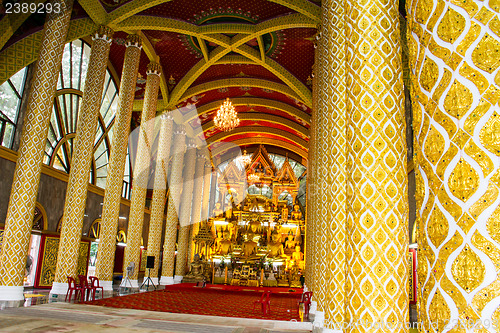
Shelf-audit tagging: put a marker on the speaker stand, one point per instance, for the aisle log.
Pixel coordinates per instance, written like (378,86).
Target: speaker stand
(148,280)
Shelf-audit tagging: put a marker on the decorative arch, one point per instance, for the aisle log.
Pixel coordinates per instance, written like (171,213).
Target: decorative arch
(40,221)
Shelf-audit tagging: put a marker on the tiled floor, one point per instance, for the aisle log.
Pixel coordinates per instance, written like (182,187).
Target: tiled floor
(68,317)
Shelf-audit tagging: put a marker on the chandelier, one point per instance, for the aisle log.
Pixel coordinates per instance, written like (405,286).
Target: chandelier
(226,118)
(244,159)
(253,178)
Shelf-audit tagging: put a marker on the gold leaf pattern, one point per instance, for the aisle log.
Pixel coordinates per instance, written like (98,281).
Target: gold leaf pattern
(458,100)
(490,134)
(434,145)
(463,181)
(451,26)
(429,74)
(486,55)
(437,227)
(439,311)
(493,225)
(468,269)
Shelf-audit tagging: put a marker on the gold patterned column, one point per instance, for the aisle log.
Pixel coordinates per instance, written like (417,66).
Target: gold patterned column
(377,202)
(199,178)
(159,192)
(205,210)
(455,60)
(186,210)
(114,179)
(174,186)
(76,192)
(311,160)
(141,172)
(329,171)
(24,191)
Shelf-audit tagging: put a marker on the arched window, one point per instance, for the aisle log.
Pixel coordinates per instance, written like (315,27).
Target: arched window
(11,92)
(63,123)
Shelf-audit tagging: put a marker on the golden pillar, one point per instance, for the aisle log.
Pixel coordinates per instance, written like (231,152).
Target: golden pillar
(114,179)
(199,179)
(175,188)
(159,192)
(141,172)
(377,203)
(205,210)
(76,192)
(310,220)
(330,167)
(186,210)
(455,59)
(19,219)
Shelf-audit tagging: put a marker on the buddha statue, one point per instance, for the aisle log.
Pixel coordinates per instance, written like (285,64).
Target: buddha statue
(249,247)
(195,271)
(290,242)
(296,214)
(217,212)
(275,247)
(225,245)
(255,226)
(297,255)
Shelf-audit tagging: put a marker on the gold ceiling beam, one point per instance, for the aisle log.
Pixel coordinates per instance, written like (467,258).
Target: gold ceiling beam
(239,82)
(259,130)
(258,116)
(284,75)
(263,140)
(261,48)
(130,9)
(95,10)
(302,6)
(298,114)
(203,47)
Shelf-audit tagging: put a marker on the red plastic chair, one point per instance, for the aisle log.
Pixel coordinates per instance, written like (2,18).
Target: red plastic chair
(265,302)
(72,286)
(85,288)
(94,285)
(306,300)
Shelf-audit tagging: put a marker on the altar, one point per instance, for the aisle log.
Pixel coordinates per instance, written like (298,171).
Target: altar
(257,240)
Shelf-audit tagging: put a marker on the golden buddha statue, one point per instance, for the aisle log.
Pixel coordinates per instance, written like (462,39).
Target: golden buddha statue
(249,247)
(290,242)
(296,214)
(297,256)
(195,271)
(217,212)
(275,247)
(225,245)
(254,226)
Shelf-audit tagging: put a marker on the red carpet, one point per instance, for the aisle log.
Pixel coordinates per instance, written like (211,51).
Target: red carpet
(213,300)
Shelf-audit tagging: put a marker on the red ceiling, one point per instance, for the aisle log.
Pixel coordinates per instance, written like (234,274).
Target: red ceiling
(193,10)
(222,93)
(217,72)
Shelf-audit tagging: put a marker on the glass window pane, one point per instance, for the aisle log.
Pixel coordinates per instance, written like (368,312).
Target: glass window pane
(18,80)
(9,101)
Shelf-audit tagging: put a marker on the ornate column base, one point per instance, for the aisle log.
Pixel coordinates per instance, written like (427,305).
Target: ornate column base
(167,280)
(58,291)
(178,278)
(11,293)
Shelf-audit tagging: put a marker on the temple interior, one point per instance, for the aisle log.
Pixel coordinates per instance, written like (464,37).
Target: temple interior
(250,166)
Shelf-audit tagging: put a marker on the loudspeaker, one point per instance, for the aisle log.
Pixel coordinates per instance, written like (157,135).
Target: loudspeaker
(150,263)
